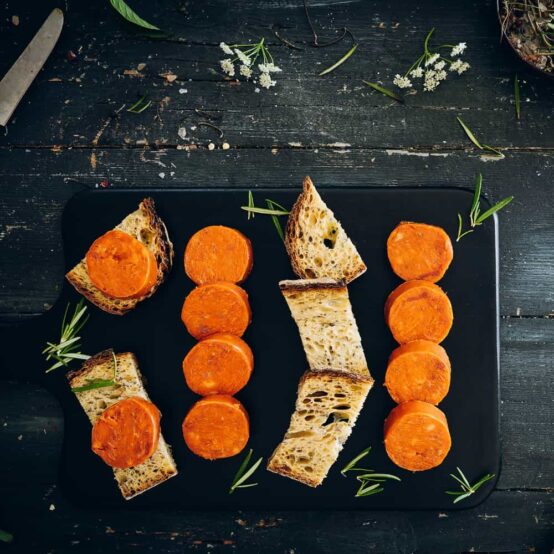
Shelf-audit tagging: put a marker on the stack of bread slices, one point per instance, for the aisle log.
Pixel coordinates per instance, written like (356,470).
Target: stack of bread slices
(332,392)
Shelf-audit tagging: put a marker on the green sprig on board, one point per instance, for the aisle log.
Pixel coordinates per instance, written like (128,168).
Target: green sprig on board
(516,97)
(466,488)
(67,349)
(100,383)
(130,15)
(274,209)
(474,140)
(370,481)
(385,91)
(243,474)
(140,105)
(476,218)
(339,62)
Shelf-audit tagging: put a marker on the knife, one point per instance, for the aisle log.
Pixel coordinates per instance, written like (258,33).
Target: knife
(22,73)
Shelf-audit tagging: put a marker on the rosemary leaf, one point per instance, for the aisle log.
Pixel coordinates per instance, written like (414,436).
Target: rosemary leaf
(469,134)
(474,212)
(250,204)
(339,62)
(243,474)
(516,96)
(130,15)
(369,490)
(494,150)
(265,211)
(384,91)
(275,220)
(67,348)
(503,203)
(95,384)
(351,465)
(140,105)
(466,488)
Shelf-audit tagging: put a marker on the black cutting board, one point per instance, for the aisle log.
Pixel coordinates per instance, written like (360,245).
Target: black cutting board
(155,333)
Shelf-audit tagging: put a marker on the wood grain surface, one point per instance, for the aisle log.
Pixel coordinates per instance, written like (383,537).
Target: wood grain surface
(70,132)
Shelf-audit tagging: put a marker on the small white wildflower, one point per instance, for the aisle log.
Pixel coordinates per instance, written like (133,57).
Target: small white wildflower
(245,71)
(431,82)
(269,68)
(440,65)
(402,82)
(226,48)
(227,66)
(417,72)
(460,66)
(458,49)
(244,59)
(266,81)
(441,75)
(431,60)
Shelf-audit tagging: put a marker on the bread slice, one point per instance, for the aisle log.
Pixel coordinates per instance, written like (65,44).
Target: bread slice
(145,225)
(328,329)
(327,406)
(160,466)
(316,242)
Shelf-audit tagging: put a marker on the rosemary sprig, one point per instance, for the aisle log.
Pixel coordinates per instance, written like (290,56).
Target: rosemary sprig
(339,62)
(242,475)
(516,96)
(476,218)
(474,140)
(67,349)
(130,15)
(384,91)
(466,488)
(140,105)
(100,383)
(250,204)
(274,209)
(370,481)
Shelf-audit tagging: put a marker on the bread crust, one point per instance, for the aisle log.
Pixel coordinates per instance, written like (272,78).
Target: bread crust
(157,240)
(292,231)
(304,285)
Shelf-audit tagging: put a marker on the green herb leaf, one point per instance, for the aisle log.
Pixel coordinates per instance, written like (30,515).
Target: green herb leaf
(66,349)
(494,150)
(351,465)
(469,134)
(384,91)
(476,218)
(516,95)
(339,62)
(275,220)
(250,204)
(100,383)
(5,536)
(130,15)
(242,475)
(503,203)
(264,211)
(140,105)
(466,488)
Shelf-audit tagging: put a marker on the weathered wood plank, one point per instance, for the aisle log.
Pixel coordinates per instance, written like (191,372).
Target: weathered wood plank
(303,108)
(37,183)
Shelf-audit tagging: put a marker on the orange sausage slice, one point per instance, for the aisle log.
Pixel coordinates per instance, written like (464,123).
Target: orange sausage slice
(126,434)
(216,308)
(418,310)
(419,251)
(418,370)
(218,253)
(121,266)
(417,436)
(220,364)
(216,427)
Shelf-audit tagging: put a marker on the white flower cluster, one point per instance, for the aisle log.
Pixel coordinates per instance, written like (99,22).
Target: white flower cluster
(433,68)
(246,56)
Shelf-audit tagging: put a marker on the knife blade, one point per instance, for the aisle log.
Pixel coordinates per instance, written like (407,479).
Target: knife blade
(22,73)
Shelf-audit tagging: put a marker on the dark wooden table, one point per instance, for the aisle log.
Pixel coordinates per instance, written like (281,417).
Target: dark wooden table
(70,133)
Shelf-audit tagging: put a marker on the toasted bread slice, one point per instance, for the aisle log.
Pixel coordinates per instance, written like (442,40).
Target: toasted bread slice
(328,329)
(144,225)
(316,242)
(327,406)
(160,466)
